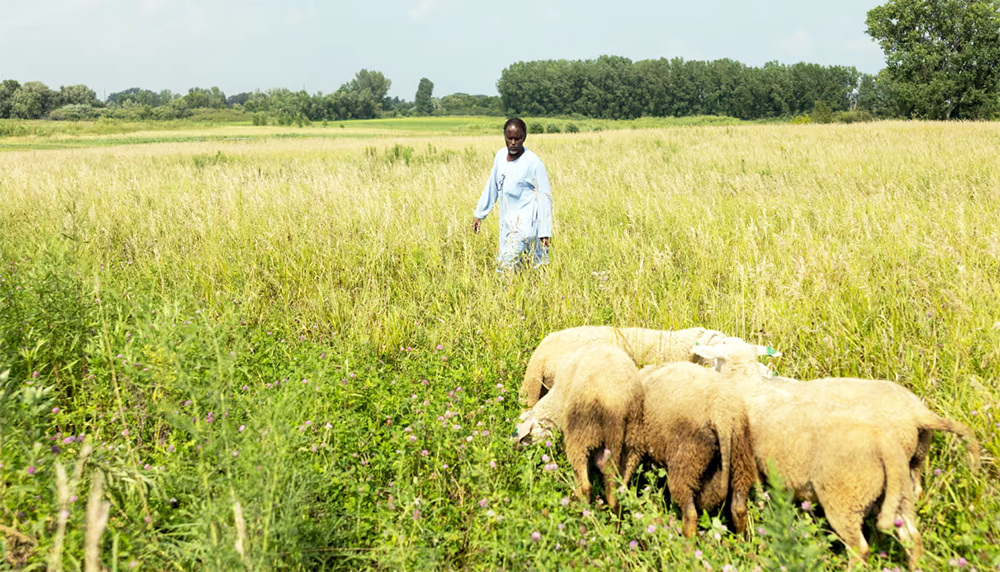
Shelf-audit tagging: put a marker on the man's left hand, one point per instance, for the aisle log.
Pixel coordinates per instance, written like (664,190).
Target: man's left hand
(546,242)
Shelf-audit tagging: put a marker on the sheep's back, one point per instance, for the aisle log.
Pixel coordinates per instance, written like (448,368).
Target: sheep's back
(601,375)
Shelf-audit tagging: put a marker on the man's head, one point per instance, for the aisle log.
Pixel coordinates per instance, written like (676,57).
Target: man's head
(514,133)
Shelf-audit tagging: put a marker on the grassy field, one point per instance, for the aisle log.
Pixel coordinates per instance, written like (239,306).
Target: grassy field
(282,353)
(50,135)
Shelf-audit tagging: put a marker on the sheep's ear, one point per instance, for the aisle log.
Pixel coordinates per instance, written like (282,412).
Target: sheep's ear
(712,337)
(708,352)
(522,432)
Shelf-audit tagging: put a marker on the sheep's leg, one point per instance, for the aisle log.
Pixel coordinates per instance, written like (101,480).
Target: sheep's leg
(738,510)
(632,458)
(908,532)
(579,460)
(609,470)
(847,524)
(681,491)
(919,460)
(684,497)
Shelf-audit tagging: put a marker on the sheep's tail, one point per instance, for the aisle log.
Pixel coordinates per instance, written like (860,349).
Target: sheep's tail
(743,471)
(635,442)
(590,425)
(932,421)
(898,485)
(726,452)
(743,465)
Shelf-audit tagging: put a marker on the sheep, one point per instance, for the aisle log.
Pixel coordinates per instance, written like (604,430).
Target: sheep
(644,346)
(842,451)
(598,407)
(896,408)
(690,415)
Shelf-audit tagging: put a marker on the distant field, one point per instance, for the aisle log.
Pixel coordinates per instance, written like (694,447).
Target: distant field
(289,338)
(68,135)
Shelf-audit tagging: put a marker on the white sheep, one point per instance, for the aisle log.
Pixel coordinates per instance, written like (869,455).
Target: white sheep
(842,444)
(643,345)
(691,415)
(896,409)
(598,407)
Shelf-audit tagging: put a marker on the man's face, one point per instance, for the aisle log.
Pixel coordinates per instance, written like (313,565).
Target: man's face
(515,140)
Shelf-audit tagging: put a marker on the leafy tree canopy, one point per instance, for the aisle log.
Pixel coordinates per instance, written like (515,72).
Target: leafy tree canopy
(942,56)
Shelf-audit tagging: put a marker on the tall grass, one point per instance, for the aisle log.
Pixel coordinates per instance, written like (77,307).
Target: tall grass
(305,333)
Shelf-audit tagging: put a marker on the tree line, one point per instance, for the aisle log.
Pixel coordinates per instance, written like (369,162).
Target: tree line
(942,62)
(363,97)
(613,87)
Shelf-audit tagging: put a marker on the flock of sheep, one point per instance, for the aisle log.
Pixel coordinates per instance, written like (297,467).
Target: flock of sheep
(842,442)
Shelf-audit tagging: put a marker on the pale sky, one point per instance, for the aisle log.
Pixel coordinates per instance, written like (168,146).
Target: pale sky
(460,45)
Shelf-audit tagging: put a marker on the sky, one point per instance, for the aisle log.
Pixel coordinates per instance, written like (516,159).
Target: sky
(460,45)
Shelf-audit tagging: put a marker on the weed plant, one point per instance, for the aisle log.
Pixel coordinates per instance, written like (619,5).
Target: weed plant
(293,354)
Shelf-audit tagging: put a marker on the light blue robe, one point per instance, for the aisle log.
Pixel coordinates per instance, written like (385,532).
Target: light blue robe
(521,189)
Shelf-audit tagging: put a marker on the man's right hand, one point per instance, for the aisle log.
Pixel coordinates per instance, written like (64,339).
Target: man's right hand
(475,224)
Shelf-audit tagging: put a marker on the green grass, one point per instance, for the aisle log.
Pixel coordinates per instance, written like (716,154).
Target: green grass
(50,135)
(297,325)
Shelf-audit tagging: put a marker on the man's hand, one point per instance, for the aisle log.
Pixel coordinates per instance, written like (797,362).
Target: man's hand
(546,242)
(475,225)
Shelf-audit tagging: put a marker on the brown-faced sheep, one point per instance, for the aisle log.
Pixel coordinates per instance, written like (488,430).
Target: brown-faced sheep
(598,407)
(644,346)
(691,415)
(837,451)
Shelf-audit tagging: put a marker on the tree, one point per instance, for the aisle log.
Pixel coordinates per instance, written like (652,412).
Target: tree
(33,100)
(376,84)
(7,90)
(133,94)
(422,99)
(942,56)
(199,97)
(77,95)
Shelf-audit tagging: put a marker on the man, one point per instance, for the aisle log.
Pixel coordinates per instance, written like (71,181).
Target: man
(520,186)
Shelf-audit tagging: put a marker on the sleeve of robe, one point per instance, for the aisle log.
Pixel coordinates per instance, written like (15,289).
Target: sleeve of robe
(544,202)
(489,197)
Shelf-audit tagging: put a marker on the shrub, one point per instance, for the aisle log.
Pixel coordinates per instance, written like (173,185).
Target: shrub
(572,128)
(73,112)
(801,120)
(535,127)
(821,113)
(854,116)
(14,129)
(216,115)
(552,128)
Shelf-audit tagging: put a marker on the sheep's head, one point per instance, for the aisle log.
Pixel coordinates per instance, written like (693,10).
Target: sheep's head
(728,348)
(531,430)
(707,338)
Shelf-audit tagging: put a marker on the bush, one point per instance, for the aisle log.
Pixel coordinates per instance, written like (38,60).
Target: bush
(535,127)
(821,113)
(260,119)
(216,115)
(801,120)
(129,111)
(572,128)
(73,112)
(854,116)
(552,128)
(14,129)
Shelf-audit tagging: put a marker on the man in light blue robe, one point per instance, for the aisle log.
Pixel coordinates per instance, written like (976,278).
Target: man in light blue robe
(519,184)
